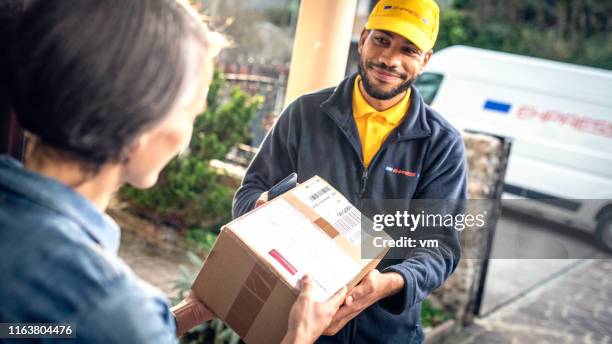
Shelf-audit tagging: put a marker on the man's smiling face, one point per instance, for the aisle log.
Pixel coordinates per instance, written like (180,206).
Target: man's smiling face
(389,63)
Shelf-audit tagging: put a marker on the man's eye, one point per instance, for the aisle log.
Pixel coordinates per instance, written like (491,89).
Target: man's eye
(410,51)
(380,40)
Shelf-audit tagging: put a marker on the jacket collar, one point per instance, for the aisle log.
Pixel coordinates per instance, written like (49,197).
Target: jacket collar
(59,198)
(393,115)
(339,107)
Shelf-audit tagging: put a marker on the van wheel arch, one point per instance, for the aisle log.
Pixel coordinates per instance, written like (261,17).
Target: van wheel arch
(605,210)
(603,233)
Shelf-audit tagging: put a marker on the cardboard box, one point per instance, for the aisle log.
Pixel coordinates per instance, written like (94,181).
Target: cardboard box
(250,278)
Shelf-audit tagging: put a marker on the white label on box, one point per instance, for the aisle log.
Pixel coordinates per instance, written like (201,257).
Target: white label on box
(333,207)
(295,246)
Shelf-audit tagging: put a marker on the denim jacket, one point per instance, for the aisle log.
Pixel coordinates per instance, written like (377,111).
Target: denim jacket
(59,264)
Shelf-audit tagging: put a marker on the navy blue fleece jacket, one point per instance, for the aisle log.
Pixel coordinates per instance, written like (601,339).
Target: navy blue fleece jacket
(317,135)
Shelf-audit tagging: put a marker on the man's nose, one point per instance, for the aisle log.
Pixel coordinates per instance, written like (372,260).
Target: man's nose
(390,57)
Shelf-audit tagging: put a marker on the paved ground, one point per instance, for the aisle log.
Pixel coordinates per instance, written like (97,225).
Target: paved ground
(545,250)
(574,307)
(157,266)
(539,299)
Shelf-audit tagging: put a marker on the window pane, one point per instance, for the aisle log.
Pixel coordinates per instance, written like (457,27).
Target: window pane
(428,84)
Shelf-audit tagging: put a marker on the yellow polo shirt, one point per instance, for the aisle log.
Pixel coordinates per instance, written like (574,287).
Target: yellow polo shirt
(374,126)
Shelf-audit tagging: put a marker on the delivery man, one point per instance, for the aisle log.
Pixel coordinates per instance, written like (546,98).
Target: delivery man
(372,137)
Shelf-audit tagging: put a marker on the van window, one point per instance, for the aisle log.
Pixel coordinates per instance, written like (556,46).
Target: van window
(428,84)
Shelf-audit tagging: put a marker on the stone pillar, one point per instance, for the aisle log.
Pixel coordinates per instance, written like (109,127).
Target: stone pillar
(487,159)
(321,45)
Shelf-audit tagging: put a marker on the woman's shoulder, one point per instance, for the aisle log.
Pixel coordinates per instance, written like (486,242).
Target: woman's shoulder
(47,256)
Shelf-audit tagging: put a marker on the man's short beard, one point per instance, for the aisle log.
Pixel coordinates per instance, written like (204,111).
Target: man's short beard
(374,93)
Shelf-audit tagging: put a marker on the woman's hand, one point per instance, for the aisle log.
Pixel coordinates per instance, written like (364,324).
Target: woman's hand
(189,313)
(309,318)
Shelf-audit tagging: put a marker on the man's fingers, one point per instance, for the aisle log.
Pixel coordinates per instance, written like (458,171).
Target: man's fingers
(331,330)
(335,326)
(263,198)
(354,295)
(342,313)
(340,320)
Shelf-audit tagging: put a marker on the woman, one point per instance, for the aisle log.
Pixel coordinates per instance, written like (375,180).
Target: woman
(109,91)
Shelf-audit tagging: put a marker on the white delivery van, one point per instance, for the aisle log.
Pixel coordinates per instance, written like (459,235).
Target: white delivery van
(559,116)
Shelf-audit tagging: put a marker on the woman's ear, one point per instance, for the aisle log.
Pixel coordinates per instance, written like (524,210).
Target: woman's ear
(133,147)
(30,140)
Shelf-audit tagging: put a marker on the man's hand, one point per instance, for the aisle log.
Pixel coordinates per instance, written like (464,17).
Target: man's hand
(263,198)
(309,318)
(189,313)
(372,288)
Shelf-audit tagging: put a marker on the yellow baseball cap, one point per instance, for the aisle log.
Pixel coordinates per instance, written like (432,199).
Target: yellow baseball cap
(416,20)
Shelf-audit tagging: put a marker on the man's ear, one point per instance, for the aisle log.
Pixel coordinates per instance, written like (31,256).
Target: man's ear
(362,39)
(426,58)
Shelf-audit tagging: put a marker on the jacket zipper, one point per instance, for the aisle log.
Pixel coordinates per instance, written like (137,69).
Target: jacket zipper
(364,173)
(364,181)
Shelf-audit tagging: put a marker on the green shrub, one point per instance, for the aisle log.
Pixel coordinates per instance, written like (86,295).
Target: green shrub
(431,316)
(201,240)
(575,32)
(188,193)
